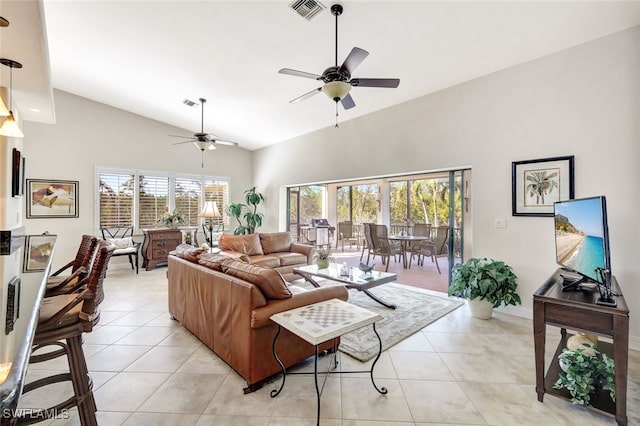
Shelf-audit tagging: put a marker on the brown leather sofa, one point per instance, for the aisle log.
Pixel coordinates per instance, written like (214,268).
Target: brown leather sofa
(275,250)
(229,311)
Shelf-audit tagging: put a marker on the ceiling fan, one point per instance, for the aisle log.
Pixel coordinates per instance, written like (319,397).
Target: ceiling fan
(204,140)
(337,79)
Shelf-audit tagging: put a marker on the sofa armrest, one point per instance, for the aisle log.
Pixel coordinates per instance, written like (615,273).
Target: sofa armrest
(260,316)
(306,249)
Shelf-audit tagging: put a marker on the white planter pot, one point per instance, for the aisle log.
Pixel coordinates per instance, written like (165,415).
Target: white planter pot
(480,308)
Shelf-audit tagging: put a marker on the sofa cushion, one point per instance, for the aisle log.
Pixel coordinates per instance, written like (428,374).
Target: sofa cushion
(268,261)
(287,258)
(247,244)
(276,241)
(212,260)
(188,252)
(268,280)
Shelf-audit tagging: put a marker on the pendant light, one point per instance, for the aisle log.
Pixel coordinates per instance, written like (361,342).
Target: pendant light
(4,112)
(10,127)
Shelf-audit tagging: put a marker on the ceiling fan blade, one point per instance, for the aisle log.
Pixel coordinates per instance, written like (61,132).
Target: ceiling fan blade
(179,136)
(391,83)
(297,73)
(229,143)
(306,96)
(354,59)
(189,141)
(347,102)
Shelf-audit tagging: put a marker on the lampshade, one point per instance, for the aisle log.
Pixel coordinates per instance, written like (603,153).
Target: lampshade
(210,209)
(10,128)
(336,90)
(4,111)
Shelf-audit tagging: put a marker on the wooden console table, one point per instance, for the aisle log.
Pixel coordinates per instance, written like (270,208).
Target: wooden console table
(157,245)
(577,310)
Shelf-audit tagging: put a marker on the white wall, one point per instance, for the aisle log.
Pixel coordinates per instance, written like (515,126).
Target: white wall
(87,135)
(584,101)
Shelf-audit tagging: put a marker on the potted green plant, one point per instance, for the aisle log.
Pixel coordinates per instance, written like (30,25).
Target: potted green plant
(486,284)
(585,371)
(247,212)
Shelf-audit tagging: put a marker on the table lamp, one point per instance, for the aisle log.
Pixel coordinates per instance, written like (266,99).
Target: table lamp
(209,211)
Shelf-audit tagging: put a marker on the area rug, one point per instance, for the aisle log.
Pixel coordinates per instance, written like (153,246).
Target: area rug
(415,309)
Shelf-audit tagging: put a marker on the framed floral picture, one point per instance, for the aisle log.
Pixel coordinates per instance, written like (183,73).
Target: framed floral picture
(537,184)
(51,198)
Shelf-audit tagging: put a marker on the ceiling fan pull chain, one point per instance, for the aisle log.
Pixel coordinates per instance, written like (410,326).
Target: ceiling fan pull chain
(337,115)
(202,158)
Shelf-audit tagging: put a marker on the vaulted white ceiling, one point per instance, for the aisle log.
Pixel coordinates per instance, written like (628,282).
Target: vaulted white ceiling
(148,56)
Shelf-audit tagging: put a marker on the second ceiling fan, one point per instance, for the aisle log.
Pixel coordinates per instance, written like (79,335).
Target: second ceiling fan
(204,140)
(337,79)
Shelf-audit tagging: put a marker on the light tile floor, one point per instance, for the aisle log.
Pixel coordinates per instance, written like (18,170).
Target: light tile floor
(148,370)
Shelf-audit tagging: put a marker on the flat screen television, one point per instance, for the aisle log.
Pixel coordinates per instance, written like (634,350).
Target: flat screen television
(582,240)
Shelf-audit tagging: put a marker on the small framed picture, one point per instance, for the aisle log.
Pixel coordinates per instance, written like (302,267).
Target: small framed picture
(51,198)
(17,174)
(37,251)
(537,184)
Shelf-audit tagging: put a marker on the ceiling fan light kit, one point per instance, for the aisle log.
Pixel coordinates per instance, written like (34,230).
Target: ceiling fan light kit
(337,79)
(10,127)
(336,90)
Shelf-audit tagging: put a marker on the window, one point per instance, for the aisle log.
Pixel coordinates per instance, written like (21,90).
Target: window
(189,199)
(153,199)
(139,199)
(116,196)
(217,190)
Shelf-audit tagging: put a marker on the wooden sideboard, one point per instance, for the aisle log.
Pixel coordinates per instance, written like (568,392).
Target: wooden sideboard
(157,245)
(577,310)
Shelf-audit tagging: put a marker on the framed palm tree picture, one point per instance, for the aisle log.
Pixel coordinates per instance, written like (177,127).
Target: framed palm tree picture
(537,184)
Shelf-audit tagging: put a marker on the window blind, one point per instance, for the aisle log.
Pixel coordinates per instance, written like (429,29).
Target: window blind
(218,191)
(153,199)
(188,193)
(116,194)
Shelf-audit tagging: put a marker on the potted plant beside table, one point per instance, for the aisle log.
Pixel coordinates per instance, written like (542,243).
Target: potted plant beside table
(486,284)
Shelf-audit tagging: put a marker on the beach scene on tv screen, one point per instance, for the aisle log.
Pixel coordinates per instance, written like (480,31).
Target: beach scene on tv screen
(579,236)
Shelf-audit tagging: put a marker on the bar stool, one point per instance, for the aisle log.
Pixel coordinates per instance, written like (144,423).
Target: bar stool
(64,284)
(62,321)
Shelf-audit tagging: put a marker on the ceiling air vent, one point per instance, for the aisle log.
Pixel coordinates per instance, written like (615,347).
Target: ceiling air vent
(307,8)
(190,103)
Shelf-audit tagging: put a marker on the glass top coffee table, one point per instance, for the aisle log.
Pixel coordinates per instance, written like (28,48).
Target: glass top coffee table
(353,278)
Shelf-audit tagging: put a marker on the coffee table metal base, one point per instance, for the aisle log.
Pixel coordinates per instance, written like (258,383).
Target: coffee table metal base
(309,277)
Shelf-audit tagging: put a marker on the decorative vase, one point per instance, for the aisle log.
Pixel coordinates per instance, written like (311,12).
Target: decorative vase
(481,308)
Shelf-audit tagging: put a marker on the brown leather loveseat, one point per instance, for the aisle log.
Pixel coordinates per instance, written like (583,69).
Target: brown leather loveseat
(275,250)
(227,304)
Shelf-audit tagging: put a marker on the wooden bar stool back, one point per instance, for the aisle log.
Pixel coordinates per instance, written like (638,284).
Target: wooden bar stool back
(62,321)
(64,284)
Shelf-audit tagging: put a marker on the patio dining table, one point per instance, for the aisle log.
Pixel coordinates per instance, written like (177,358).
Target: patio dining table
(404,243)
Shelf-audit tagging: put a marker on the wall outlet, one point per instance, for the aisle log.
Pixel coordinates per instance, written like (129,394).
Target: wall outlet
(500,223)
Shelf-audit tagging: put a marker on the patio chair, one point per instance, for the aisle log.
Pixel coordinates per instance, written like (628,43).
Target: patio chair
(62,321)
(368,244)
(122,239)
(64,284)
(433,249)
(345,234)
(382,246)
